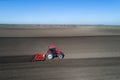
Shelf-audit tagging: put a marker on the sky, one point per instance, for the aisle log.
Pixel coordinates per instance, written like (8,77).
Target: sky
(60,12)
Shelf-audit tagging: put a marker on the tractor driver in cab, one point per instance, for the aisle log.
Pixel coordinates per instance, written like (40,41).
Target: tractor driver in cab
(52,49)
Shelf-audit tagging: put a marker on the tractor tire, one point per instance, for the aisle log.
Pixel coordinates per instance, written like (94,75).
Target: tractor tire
(49,56)
(60,56)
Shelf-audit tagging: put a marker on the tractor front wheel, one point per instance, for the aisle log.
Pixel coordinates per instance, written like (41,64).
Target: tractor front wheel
(60,56)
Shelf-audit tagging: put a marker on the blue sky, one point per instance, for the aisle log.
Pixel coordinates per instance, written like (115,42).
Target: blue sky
(60,12)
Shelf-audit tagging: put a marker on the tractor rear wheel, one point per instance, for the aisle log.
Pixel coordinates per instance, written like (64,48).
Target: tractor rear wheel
(49,56)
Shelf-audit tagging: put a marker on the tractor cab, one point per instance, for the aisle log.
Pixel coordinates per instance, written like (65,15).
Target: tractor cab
(52,50)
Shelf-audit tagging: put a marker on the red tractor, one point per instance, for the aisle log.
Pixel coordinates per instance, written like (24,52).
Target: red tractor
(50,54)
